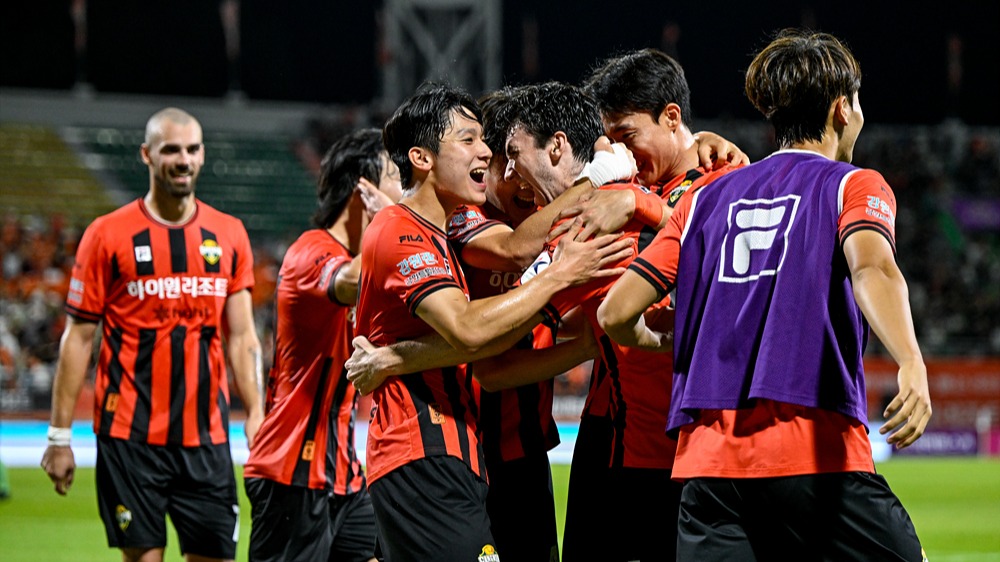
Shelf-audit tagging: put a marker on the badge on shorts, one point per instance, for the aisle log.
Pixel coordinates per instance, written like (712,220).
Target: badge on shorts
(489,554)
(124,517)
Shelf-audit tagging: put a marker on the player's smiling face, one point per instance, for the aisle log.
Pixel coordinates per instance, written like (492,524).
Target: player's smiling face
(512,197)
(529,164)
(647,140)
(175,157)
(461,161)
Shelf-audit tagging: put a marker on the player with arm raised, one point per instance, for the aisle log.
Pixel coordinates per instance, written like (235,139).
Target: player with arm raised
(780,268)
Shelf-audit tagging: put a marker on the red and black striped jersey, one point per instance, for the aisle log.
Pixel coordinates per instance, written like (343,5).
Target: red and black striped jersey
(518,421)
(423,414)
(160,291)
(630,385)
(307,437)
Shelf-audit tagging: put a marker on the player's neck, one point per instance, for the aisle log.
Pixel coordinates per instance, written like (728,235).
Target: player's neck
(827,146)
(170,210)
(423,199)
(686,156)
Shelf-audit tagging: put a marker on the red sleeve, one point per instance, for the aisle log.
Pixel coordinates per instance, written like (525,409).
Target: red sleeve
(415,268)
(657,264)
(867,203)
(317,267)
(466,222)
(90,278)
(243,271)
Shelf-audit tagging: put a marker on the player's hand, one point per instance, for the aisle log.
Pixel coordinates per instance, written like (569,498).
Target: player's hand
(601,212)
(575,262)
(373,199)
(252,425)
(368,366)
(59,464)
(715,152)
(910,410)
(611,162)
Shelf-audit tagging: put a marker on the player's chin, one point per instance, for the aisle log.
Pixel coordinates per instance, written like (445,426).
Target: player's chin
(645,176)
(478,197)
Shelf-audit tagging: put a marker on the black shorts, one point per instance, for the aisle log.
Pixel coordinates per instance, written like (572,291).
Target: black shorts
(433,508)
(585,534)
(139,484)
(522,509)
(294,523)
(608,509)
(836,516)
(655,499)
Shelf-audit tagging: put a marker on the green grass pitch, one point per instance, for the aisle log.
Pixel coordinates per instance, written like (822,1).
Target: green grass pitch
(955,505)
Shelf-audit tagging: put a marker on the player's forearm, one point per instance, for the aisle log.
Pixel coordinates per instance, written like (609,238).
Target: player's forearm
(248,370)
(71,371)
(621,315)
(496,323)
(518,367)
(344,288)
(633,332)
(525,243)
(883,297)
(432,351)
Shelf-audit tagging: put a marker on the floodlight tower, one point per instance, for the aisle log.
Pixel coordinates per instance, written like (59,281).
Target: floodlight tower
(454,41)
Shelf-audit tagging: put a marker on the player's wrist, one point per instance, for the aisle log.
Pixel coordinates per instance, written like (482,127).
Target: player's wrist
(607,167)
(648,210)
(556,277)
(59,436)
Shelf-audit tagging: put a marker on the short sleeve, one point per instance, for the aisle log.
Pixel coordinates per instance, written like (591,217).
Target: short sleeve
(243,262)
(867,203)
(658,262)
(415,268)
(91,276)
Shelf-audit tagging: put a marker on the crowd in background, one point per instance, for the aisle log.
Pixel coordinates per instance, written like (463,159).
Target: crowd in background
(946,180)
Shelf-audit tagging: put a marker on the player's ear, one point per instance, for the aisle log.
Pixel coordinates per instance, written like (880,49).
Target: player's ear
(842,108)
(421,158)
(559,143)
(144,153)
(670,116)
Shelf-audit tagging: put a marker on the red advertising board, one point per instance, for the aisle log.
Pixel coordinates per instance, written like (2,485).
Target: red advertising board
(963,390)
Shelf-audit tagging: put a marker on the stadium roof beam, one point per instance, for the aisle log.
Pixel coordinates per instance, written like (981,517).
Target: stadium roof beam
(453,41)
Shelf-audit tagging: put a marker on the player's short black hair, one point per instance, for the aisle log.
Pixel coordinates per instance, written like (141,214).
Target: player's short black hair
(643,81)
(422,120)
(544,109)
(795,79)
(499,109)
(355,155)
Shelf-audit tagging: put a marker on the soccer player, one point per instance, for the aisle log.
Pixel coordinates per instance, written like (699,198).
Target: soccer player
(780,268)
(169,279)
(626,448)
(644,101)
(303,477)
(520,512)
(515,419)
(425,459)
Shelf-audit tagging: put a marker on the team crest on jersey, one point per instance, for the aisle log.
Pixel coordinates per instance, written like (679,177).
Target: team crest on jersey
(123,516)
(211,251)
(677,192)
(489,554)
(437,418)
(143,254)
(308,450)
